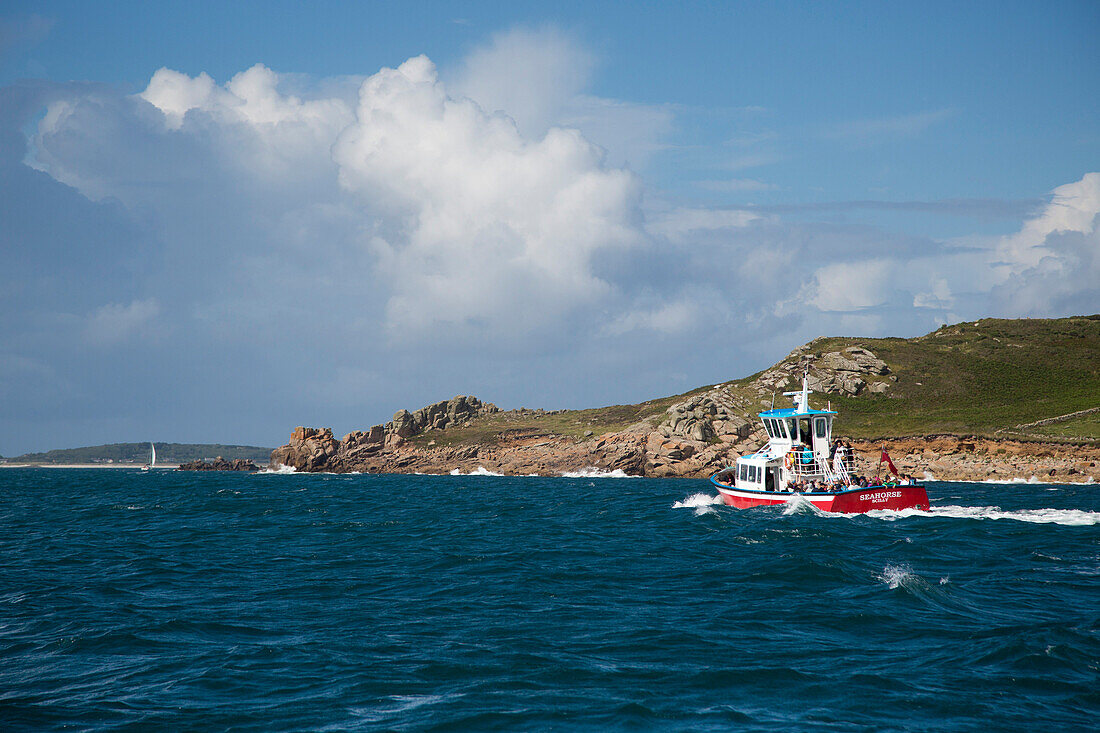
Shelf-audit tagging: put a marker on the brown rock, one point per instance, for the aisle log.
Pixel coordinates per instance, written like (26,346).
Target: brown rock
(220,464)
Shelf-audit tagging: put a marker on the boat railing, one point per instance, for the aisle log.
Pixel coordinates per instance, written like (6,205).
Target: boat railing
(817,467)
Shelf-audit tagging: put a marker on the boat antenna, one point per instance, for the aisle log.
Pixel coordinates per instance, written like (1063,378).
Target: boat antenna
(773,401)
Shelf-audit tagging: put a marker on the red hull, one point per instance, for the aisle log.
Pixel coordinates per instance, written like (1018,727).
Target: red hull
(853,501)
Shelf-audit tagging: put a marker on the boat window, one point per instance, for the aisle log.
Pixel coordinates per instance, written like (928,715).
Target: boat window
(792,431)
(752,474)
(768,427)
(804,432)
(821,425)
(743,474)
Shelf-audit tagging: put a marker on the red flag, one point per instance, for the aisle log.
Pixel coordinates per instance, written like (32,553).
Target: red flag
(884,458)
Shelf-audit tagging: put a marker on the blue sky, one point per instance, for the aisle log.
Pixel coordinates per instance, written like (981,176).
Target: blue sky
(560,207)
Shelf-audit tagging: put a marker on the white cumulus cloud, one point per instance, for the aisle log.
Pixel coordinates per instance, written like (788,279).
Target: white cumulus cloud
(473,222)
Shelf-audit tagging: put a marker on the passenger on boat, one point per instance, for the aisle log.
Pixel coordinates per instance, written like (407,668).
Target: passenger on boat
(790,458)
(838,460)
(807,455)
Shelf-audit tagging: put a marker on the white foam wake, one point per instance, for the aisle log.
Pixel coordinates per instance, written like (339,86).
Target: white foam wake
(479,471)
(593,472)
(1032,480)
(1068,517)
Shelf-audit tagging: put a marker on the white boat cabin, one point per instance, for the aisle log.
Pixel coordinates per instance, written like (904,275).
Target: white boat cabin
(799,439)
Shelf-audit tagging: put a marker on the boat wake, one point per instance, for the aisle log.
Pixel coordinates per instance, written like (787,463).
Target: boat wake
(1067,517)
(1033,480)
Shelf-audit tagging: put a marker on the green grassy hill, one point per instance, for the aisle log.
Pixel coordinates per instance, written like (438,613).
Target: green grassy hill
(138,453)
(989,377)
(985,378)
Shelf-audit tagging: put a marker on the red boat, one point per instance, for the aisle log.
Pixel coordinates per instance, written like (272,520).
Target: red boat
(797,461)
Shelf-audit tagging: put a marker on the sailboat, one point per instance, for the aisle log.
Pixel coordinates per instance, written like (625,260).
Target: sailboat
(153,460)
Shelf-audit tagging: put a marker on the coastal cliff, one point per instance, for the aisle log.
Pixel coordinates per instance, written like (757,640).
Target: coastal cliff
(993,399)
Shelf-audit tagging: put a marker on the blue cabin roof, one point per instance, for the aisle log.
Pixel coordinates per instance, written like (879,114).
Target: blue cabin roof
(791,412)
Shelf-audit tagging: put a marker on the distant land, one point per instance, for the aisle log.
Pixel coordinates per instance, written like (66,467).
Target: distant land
(993,398)
(138,453)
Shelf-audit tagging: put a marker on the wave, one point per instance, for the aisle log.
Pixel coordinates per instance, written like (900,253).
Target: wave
(697,500)
(799,504)
(1067,517)
(479,471)
(593,472)
(896,576)
(701,503)
(279,469)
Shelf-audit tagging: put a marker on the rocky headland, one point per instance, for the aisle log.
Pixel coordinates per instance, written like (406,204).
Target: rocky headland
(696,434)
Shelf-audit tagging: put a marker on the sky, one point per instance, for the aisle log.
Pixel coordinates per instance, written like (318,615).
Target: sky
(222,220)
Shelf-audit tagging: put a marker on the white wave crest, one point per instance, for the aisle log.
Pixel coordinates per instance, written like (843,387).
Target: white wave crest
(280,468)
(697,500)
(701,503)
(799,504)
(896,576)
(1067,517)
(928,476)
(593,472)
(479,471)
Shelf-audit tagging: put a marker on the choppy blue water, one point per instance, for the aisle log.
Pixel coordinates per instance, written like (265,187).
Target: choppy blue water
(301,602)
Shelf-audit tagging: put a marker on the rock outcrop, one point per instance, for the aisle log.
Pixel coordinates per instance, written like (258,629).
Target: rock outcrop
(847,372)
(316,449)
(220,464)
(715,414)
(309,449)
(723,413)
(518,452)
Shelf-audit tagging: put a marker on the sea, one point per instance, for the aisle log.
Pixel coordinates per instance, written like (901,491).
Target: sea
(288,602)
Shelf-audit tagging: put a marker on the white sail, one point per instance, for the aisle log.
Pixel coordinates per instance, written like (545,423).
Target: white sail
(153,460)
